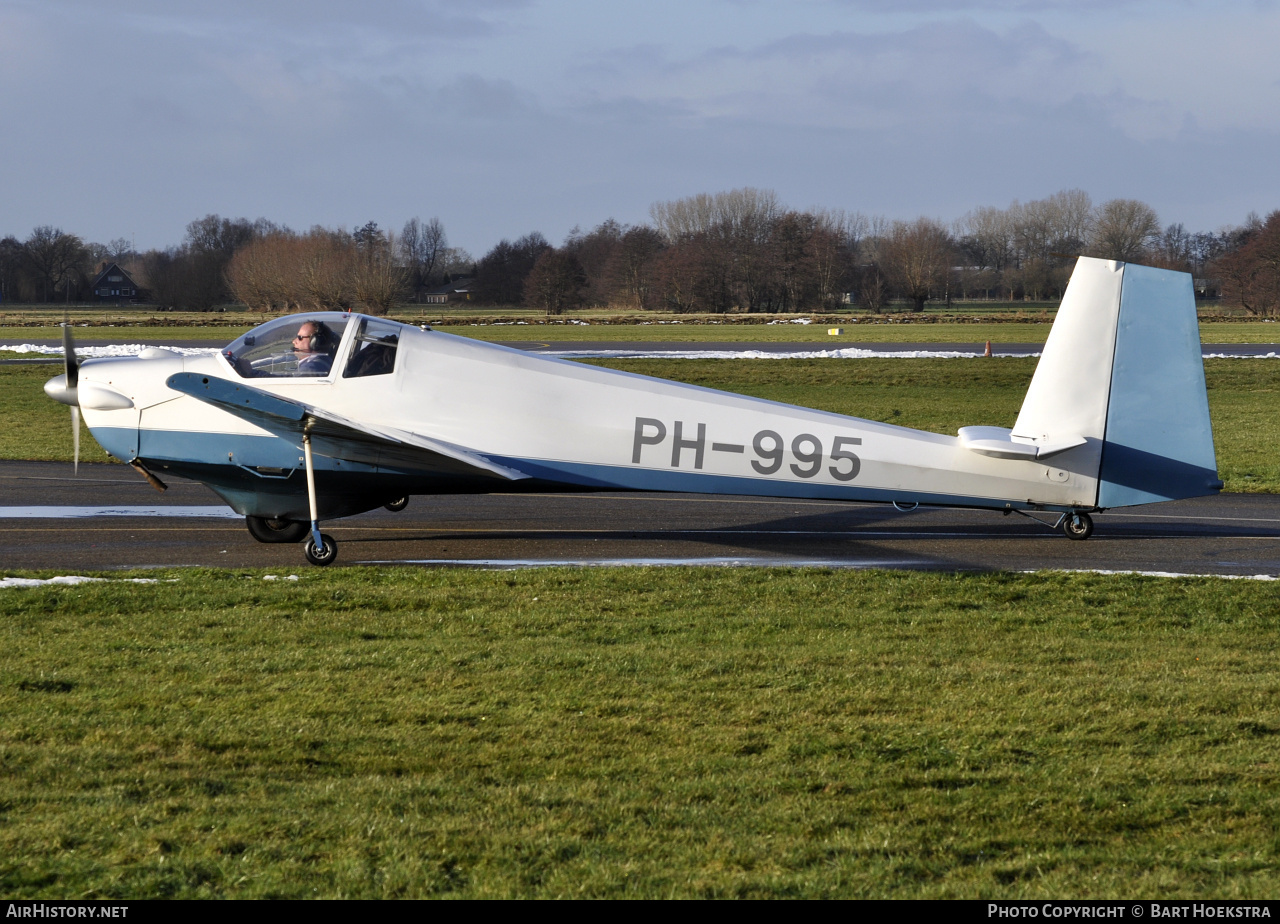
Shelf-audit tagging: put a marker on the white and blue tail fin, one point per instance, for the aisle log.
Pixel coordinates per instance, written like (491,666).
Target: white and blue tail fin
(1122,369)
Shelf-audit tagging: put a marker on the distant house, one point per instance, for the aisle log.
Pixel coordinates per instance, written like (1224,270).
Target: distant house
(459,290)
(1208,288)
(113,284)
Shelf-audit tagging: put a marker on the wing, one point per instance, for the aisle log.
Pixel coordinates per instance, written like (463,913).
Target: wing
(336,436)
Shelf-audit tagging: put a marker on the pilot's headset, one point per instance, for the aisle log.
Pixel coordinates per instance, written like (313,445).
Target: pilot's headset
(322,339)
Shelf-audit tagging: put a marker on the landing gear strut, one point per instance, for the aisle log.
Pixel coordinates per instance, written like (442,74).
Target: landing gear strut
(319,549)
(1075,524)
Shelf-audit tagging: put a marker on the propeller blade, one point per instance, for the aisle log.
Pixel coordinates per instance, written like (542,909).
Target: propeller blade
(71,365)
(75,435)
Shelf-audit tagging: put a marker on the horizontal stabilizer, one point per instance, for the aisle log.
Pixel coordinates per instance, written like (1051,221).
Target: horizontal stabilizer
(1001,444)
(337,436)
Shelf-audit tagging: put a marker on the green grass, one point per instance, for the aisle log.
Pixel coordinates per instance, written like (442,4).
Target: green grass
(1032,327)
(862,332)
(640,732)
(928,394)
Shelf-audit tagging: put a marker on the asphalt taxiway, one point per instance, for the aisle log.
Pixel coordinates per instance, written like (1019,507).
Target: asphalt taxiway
(108,518)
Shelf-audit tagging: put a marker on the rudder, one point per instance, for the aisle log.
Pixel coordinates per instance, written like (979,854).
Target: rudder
(1158,442)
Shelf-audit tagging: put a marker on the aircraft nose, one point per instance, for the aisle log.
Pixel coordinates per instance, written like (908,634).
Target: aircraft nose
(92,395)
(58,389)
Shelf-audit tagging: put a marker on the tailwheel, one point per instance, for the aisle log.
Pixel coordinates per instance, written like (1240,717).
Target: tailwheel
(266,529)
(397,505)
(327,554)
(1077,525)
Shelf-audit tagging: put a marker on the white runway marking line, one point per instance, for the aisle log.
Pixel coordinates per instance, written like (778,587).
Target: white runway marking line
(727,562)
(833,564)
(1160,574)
(708,531)
(70,513)
(1172,516)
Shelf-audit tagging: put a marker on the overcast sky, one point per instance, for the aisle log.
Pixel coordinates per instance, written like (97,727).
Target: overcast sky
(133,117)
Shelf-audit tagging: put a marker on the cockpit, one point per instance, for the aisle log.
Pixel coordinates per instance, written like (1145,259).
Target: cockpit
(315,345)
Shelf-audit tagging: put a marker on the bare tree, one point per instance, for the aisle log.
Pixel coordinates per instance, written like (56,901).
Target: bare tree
(1073,218)
(555,283)
(683,218)
(1123,230)
(54,258)
(917,256)
(263,274)
(213,233)
(594,252)
(322,270)
(791,260)
(688,276)
(873,286)
(632,271)
(378,282)
(1251,274)
(1173,249)
(501,272)
(422,245)
(986,237)
(833,251)
(13,259)
(455,262)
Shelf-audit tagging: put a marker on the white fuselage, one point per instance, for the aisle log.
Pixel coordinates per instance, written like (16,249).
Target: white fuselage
(579,426)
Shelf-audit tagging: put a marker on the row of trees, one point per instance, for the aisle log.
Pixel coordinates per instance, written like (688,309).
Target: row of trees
(221,259)
(741,250)
(270,267)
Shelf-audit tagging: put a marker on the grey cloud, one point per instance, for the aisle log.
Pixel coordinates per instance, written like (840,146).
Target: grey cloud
(294,20)
(346,119)
(471,95)
(953,7)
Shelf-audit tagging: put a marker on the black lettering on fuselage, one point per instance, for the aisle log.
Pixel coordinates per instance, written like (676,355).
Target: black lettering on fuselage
(642,440)
(698,446)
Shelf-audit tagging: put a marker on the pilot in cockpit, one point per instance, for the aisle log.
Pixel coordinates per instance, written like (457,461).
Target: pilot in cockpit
(314,346)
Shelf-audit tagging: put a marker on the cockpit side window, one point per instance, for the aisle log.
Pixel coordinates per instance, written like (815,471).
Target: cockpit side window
(373,350)
(297,346)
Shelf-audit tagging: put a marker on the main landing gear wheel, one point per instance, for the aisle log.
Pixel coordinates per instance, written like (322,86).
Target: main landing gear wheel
(397,505)
(327,554)
(1077,525)
(265,529)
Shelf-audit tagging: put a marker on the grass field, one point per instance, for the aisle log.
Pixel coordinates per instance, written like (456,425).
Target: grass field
(646,733)
(1030,332)
(929,394)
(1024,327)
(372,733)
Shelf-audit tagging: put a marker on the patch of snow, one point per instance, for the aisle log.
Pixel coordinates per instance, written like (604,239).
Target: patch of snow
(70,580)
(104,350)
(847,353)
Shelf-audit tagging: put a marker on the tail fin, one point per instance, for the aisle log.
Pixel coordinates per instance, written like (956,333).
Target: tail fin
(1122,368)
